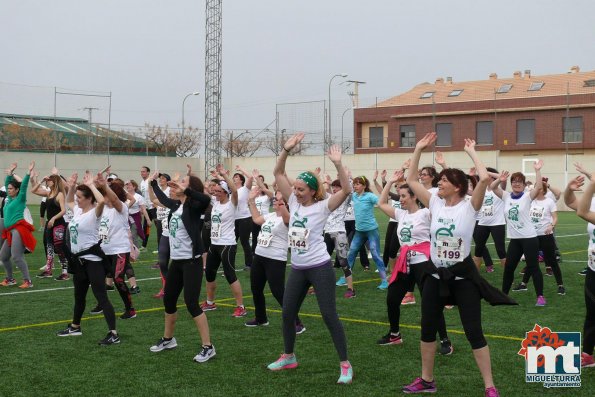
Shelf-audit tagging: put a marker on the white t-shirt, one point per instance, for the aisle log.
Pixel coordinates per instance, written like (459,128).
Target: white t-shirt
(305,236)
(144,191)
(263,203)
(451,231)
(84,232)
(272,239)
(135,208)
(414,228)
(492,210)
(591,232)
(551,196)
(68,215)
(396,204)
(242,210)
(349,213)
(336,220)
(516,213)
(113,231)
(162,215)
(541,214)
(223,224)
(180,243)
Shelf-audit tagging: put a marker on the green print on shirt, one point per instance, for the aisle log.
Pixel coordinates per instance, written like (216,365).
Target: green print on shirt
(513,213)
(74,233)
(216,217)
(173,226)
(297,222)
(104,230)
(267,228)
(445,231)
(406,233)
(488,201)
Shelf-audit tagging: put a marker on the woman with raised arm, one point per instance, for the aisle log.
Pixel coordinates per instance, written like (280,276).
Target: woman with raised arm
(137,209)
(586,210)
(243,221)
(310,262)
(451,276)
(17,234)
(270,259)
(55,227)
(185,271)
(520,230)
(223,243)
(413,232)
(263,203)
(86,261)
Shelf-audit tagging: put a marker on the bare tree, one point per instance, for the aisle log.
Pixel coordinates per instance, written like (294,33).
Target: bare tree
(240,145)
(276,147)
(180,143)
(345,145)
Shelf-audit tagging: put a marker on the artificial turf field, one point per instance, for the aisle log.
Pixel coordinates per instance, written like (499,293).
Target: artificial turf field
(38,363)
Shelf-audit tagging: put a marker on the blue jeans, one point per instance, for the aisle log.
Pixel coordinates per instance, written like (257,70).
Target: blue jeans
(359,238)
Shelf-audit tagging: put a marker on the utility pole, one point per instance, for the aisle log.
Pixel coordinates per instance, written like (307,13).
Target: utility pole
(355,94)
(90,137)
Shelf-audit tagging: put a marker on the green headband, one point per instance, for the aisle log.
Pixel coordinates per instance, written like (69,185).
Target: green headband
(309,179)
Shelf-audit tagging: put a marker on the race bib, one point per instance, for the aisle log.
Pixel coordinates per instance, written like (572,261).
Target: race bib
(264,239)
(298,238)
(162,213)
(165,225)
(215,230)
(103,232)
(349,211)
(536,214)
(487,210)
(450,249)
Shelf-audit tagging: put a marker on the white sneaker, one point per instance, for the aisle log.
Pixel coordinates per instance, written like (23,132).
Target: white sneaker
(155,252)
(206,353)
(163,344)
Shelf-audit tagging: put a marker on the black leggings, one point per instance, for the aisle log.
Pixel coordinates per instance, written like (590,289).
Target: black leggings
(163,255)
(119,265)
(391,229)
(363,254)
(547,244)
(468,300)
(152,215)
(516,248)
(183,274)
(481,234)
(91,272)
(396,292)
(243,228)
(589,327)
(255,231)
(221,255)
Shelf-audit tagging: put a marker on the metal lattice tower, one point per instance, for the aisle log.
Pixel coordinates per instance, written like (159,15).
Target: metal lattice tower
(213,73)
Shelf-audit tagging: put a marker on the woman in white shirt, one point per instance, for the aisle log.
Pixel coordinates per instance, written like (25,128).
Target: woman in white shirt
(520,230)
(86,264)
(137,210)
(243,221)
(262,202)
(223,243)
(451,276)
(544,217)
(310,262)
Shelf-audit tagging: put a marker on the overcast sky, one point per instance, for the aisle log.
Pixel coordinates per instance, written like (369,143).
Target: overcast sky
(150,53)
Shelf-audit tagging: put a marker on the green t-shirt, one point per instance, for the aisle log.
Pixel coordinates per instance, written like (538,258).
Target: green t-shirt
(14,208)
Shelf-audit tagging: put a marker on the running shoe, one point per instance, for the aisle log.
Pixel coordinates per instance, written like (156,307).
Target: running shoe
(240,311)
(96,310)
(540,301)
(70,331)
(341,282)
(63,277)
(311,291)
(549,271)
(8,282)
(286,361)
(383,285)
(350,293)
(205,354)
(206,306)
(446,348)
(299,329)
(141,249)
(164,344)
(523,271)
(489,269)
(366,268)
(520,287)
(155,252)
(110,287)
(155,265)
(26,284)
(420,386)
(408,300)
(587,360)
(110,339)
(45,274)
(449,307)
(346,375)
(135,290)
(256,323)
(159,295)
(390,339)
(128,314)
(583,272)
(492,392)
(561,290)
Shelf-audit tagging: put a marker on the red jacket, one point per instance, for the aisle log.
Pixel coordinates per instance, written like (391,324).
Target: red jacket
(25,230)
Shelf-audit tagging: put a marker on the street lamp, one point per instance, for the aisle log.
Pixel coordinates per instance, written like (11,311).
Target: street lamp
(342,119)
(186,97)
(330,134)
